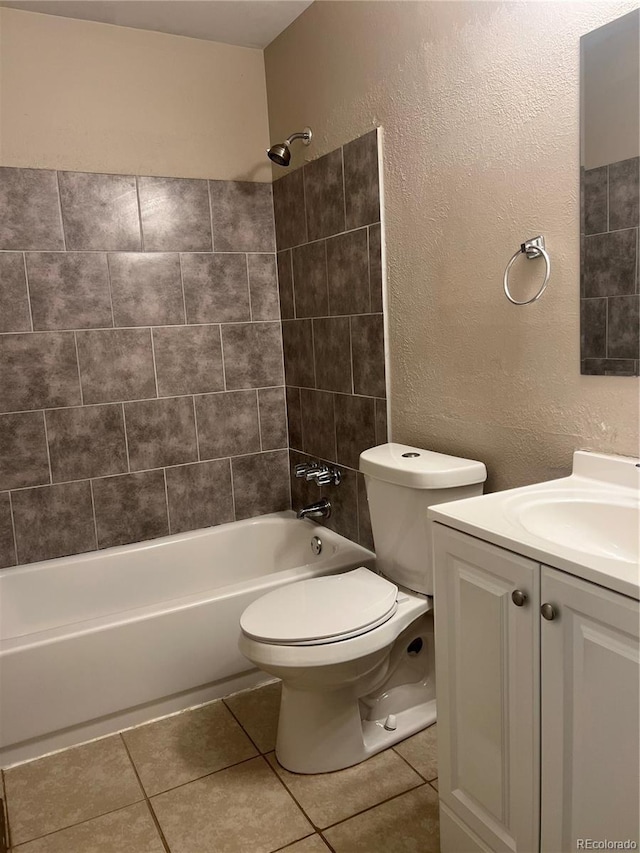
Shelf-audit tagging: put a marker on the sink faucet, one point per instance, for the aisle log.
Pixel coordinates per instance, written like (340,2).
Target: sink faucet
(320,509)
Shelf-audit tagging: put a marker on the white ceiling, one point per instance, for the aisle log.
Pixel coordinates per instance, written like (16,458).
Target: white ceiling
(247,23)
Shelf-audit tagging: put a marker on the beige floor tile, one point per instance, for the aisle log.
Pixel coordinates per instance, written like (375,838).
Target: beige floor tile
(330,797)
(130,830)
(187,746)
(241,809)
(71,786)
(258,712)
(434,784)
(406,824)
(312,844)
(421,751)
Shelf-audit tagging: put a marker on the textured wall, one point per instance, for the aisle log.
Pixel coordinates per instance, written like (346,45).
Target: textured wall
(100,98)
(479,103)
(327,218)
(141,368)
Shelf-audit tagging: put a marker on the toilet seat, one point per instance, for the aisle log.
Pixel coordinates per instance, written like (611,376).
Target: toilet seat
(321,610)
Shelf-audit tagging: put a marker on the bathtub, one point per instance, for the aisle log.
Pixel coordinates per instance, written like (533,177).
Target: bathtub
(97,642)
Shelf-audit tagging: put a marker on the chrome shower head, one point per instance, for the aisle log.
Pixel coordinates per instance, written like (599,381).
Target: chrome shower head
(280,153)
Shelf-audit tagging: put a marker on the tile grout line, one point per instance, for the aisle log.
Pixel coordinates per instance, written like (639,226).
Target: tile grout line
(213,250)
(80,822)
(64,236)
(369,267)
(184,298)
(146,798)
(409,764)
(46,442)
(239,722)
(353,381)
(608,189)
(613,231)
(224,368)
(284,785)
(421,784)
(149,470)
(259,420)
(13,528)
(140,229)
(153,359)
(195,421)
(144,326)
(26,282)
(166,498)
(233,491)
(291,844)
(126,438)
(93,513)
(344,188)
(246,258)
(148,252)
(321,830)
(342,233)
(113,316)
(75,342)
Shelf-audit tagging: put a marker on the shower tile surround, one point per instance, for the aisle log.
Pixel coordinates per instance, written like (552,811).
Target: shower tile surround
(141,367)
(610,285)
(327,217)
(142,389)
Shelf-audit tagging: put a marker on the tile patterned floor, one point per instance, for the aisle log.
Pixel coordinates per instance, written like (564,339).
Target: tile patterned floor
(207,781)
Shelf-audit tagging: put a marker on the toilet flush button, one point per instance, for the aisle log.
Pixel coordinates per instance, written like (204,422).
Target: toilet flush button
(391,724)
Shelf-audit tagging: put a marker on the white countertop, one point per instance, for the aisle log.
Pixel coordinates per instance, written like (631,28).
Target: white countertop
(597,483)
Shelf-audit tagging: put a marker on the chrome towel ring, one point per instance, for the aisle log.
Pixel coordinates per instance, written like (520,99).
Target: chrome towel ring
(533,248)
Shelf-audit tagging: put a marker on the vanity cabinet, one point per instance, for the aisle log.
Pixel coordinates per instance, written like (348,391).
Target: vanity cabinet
(538,718)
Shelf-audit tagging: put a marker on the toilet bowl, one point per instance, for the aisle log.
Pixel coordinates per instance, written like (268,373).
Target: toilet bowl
(355,651)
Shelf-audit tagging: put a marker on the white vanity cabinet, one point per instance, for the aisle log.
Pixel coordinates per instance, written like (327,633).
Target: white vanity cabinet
(538,719)
(590,714)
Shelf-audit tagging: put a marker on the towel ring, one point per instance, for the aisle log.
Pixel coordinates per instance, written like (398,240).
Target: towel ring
(533,248)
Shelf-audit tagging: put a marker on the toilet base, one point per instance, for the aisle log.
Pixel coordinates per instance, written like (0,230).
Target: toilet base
(323,732)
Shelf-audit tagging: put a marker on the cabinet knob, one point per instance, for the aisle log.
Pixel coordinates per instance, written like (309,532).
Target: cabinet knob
(519,597)
(548,612)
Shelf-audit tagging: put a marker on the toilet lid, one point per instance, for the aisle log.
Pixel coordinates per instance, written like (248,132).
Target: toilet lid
(321,609)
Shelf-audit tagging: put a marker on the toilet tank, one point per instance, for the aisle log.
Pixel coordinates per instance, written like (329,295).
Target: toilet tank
(402,482)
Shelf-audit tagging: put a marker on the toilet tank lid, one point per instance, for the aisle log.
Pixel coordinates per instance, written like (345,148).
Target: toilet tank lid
(420,469)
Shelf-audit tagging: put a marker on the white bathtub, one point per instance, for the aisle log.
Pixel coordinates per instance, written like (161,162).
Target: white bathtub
(97,642)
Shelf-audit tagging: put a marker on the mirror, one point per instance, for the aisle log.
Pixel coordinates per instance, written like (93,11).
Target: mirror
(609,196)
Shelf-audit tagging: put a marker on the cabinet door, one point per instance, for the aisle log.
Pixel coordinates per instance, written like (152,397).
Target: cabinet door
(487,676)
(590,714)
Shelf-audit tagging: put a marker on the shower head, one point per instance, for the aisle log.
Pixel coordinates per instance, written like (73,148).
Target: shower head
(280,153)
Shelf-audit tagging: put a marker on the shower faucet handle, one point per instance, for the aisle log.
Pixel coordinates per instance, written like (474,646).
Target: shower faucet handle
(308,470)
(328,476)
(323,475)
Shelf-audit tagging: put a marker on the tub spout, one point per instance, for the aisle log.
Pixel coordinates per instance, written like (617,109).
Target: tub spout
(320,509)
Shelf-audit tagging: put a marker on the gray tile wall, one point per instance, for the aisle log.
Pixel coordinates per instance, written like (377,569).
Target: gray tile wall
(141,364)
(609,317)
(327,217)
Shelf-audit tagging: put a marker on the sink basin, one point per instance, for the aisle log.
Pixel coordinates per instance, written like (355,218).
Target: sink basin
(586,524)
(605,524)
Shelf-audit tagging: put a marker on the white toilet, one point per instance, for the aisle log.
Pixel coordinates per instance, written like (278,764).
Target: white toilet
(355,650)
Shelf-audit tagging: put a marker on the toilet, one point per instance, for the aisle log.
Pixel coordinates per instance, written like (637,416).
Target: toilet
(355,651)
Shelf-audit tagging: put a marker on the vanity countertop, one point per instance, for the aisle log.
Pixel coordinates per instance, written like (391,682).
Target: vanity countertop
(587,524)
